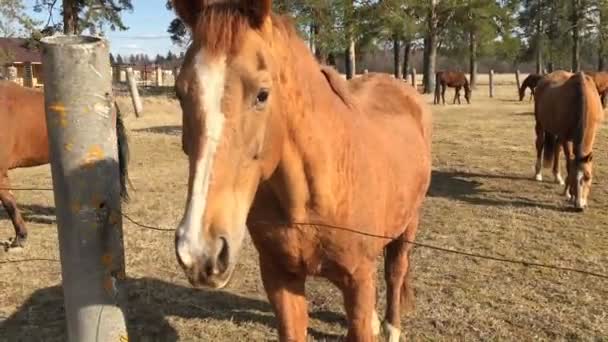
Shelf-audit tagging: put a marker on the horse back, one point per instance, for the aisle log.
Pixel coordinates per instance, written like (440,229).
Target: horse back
(561,96)
(23,133)
(386,100)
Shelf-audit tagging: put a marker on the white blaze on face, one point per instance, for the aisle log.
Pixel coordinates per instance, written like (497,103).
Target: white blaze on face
(580,201)
(211,77)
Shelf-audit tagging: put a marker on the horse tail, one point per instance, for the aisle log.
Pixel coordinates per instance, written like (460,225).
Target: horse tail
(581,113)
(549,146)
(123,153)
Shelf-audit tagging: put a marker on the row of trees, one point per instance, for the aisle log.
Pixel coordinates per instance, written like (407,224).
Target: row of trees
(145,59)
(553,33)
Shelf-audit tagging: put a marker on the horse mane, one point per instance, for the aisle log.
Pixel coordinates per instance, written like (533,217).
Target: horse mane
(338,85)
(222,26)
(581,107)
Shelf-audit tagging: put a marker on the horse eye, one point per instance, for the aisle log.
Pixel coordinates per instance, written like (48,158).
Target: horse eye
(262,96)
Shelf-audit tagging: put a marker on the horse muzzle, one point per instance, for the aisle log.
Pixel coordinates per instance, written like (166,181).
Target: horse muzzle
(209,266)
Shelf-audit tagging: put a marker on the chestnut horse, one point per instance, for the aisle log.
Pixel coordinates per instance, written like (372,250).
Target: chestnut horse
(24,143)
(601,82)
(286,148)
(568,112)
(452,79)
(530,82)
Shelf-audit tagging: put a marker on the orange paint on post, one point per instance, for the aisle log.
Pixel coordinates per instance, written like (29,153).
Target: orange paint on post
(106,260)
(108,285)
(60,110)
(94,154)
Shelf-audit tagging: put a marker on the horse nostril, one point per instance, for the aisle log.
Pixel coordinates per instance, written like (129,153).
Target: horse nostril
(223,257)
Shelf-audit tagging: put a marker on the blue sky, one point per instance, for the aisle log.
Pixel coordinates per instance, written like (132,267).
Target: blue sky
(147,32)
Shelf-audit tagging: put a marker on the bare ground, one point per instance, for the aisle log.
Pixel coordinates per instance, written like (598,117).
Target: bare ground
(482,200)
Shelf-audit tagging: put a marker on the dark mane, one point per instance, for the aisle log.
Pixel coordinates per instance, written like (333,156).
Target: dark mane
(222,26)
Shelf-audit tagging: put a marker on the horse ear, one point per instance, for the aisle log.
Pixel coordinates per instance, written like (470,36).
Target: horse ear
(257,11)
(188,10)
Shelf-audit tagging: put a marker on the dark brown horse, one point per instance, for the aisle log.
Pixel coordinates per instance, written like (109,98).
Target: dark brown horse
(24,143)
(530,82)
(452,79)
(274,146)
(568,115)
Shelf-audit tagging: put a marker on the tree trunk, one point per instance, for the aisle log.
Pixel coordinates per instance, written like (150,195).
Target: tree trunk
(406,59)
(430,49)
(575,36)
(473,58)
(70,17)
(397,56)
(539,41)
(600,44)
(350,60)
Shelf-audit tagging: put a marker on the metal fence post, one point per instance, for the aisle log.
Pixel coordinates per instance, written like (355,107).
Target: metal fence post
(84,163)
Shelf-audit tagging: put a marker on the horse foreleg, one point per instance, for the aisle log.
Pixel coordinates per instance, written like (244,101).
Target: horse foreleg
(569,173)
(540,142)
(531,94)
(360,301)
(457,95)
(287,295)
(556,171)
(399,289)
(10,204)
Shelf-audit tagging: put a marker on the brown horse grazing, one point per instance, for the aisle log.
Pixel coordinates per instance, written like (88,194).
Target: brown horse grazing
(286,148)
(24,143)
(452,79)
(601,82)
(530,82)
(568,112)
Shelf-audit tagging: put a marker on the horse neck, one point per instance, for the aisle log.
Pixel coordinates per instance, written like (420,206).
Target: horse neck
(316,122)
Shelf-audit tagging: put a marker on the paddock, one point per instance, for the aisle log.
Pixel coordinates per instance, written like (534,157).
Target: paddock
(483,199)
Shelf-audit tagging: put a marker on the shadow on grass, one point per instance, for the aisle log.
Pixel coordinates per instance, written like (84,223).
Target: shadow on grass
(151,301)
(523,114)
(32,213)
(467,187)
(168,130)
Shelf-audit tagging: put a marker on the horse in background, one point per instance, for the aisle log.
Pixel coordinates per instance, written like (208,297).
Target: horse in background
(452,79)
(568,112)
(601,82)
(530,82)
(24,143)
(274,147)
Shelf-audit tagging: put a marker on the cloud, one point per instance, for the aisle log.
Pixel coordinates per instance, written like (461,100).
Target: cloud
(130,47)
(144,37)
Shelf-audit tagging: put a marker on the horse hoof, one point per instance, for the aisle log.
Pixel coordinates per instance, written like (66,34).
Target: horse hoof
(18,243)
(539,177)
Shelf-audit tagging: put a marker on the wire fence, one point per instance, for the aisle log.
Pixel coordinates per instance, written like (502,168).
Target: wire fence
(361,232)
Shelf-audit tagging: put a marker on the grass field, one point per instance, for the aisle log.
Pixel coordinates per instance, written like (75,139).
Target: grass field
(482,200)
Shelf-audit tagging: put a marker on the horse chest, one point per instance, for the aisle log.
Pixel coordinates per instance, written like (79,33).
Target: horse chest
(296,249)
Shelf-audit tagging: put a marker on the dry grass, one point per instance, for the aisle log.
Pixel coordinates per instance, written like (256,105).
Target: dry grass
(482,200)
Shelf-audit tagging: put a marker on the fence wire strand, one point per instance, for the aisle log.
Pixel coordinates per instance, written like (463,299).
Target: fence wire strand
(525,263)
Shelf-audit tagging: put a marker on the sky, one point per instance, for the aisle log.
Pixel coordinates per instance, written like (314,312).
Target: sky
(147,32)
